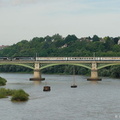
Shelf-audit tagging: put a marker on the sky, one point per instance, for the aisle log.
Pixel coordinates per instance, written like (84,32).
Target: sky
(26,19)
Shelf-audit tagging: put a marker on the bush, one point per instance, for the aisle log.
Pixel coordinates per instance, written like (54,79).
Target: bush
(10,92)
(20,95)
(17,95)
(3,93)
(2,81)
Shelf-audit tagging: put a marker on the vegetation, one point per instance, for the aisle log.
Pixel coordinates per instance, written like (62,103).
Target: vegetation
(6,92)
(3,93)
(17,95)
(70,45)
(2,81)
(20,95)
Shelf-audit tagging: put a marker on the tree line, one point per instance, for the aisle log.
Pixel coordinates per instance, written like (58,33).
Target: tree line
(69,46)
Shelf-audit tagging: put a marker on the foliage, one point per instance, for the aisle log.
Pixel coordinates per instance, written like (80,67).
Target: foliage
(3,93)
(112,71)
(70,38)
(17,95)
(95,38)
(2,81)
(115,71)
(68,46)
(20,95)
(54,46)
(14,68)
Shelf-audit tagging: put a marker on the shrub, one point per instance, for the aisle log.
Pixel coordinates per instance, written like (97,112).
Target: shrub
(20,95)
(17,95)
(10,92)
(2,81)
(2,93)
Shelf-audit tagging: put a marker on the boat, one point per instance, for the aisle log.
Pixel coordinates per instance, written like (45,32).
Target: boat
(73,86)
(46,88)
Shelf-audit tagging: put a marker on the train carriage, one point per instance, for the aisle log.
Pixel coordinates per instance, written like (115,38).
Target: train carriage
(51,58)
(24,58)
(4,58)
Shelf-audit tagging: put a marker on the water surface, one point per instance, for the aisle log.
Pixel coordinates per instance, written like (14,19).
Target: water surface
(89,101)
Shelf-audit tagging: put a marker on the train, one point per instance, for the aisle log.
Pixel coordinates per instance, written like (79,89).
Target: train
(61,58)
(16,58)
(77,58)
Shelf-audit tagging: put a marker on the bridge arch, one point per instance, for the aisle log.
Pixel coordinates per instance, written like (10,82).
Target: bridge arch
(106,65)
(24,65)
(50,65)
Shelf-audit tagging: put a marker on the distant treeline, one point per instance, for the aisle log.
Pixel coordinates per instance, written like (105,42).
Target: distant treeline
(68,46)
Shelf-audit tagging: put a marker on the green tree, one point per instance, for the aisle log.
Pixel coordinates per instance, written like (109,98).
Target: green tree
(116,40)
(57,37)
(108,43)
(70,38)
(95,38)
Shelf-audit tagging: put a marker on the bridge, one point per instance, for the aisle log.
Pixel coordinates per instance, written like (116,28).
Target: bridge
(37,64)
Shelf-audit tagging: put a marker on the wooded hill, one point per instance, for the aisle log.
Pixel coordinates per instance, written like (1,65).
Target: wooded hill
(70,45)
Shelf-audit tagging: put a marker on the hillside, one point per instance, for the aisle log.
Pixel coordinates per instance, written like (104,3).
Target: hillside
(57,45)
(70,45)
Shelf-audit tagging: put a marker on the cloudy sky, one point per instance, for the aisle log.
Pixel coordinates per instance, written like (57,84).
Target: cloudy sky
(25,19)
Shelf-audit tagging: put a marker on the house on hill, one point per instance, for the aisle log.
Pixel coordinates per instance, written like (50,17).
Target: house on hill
(119,42)
(3,46)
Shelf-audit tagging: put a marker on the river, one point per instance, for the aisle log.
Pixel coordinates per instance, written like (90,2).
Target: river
(89,101)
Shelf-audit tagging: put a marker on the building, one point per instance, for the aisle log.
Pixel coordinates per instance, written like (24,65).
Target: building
(119,42)
(3,46)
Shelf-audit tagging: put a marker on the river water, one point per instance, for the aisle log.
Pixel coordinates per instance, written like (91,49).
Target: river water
(89,101)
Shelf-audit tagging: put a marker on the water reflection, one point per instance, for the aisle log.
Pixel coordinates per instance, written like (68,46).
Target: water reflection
(37,82)
(94,82)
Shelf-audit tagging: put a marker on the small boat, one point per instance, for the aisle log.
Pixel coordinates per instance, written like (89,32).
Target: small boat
(74,84)
(46,88)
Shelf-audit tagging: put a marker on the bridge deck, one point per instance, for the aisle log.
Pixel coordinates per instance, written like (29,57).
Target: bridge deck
(60,61)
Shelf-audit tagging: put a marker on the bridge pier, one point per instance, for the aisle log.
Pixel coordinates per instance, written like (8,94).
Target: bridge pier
(94,73)
(37,73)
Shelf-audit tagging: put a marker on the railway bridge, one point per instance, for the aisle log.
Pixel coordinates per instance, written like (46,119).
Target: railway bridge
(37,64)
